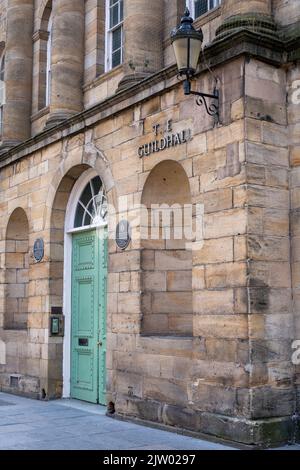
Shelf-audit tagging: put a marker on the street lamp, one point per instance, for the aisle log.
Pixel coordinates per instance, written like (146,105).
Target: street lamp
(187,44)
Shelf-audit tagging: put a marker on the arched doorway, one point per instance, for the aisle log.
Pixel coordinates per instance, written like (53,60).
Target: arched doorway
(79,220)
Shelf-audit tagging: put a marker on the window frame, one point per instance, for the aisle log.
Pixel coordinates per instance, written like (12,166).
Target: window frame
(191,6)
(109,36)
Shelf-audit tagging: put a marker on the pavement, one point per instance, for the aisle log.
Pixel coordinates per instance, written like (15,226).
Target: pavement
(73,425)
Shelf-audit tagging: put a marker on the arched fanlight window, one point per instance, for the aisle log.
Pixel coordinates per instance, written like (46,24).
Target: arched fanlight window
(92,205)
(2,90)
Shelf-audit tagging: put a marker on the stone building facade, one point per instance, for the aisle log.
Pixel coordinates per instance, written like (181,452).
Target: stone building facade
(197,337)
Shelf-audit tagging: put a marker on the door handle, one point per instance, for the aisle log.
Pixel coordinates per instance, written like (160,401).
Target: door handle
(99,343)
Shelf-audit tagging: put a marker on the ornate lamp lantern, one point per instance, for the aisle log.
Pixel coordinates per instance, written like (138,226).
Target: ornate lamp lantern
(187,44)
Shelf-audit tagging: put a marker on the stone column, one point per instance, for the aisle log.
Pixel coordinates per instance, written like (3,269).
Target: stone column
(66,98)
(143,34)
(18,73)
(246,14)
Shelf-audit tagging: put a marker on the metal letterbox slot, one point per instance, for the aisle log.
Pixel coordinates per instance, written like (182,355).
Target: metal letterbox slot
(83,342)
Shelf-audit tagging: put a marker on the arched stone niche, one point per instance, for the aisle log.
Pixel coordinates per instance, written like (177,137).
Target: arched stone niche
(166,261)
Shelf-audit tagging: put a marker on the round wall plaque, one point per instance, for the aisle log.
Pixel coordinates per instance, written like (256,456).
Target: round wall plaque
(123,234)
(38,250)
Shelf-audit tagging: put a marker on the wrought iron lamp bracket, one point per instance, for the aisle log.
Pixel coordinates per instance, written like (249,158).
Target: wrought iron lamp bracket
(202,99)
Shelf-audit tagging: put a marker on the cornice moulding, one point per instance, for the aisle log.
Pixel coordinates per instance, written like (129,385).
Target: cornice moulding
(244,42)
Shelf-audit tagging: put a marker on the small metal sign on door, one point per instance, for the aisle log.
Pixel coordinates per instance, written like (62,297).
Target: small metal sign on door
(38,250)
(123,234)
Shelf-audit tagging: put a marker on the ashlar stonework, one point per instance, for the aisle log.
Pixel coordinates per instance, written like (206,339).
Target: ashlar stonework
(198,339)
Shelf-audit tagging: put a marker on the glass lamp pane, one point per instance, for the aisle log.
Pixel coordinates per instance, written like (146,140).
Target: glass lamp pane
(181,52)
(181,47)
(195,49)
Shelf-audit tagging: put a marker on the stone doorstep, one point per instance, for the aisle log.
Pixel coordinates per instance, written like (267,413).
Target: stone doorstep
(236,432)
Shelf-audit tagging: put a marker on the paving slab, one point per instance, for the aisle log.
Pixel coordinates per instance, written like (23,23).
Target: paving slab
(69,424)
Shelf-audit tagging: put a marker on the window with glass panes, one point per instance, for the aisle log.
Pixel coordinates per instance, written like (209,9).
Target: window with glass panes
(199,7)
(115,15)
(2,90)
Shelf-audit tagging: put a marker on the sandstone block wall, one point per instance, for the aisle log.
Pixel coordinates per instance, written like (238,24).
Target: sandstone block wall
(270,296)
(293,87)
(203,343)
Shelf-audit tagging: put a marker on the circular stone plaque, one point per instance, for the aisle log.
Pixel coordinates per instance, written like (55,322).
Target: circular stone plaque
(123,234)
(38,250)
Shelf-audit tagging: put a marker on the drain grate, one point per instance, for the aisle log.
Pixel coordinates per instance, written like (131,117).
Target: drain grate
(6,403)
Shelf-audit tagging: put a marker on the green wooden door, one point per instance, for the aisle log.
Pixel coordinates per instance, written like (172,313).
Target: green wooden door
(88,345)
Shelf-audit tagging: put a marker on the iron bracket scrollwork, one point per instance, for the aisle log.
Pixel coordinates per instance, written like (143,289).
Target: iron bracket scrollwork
(202,99)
